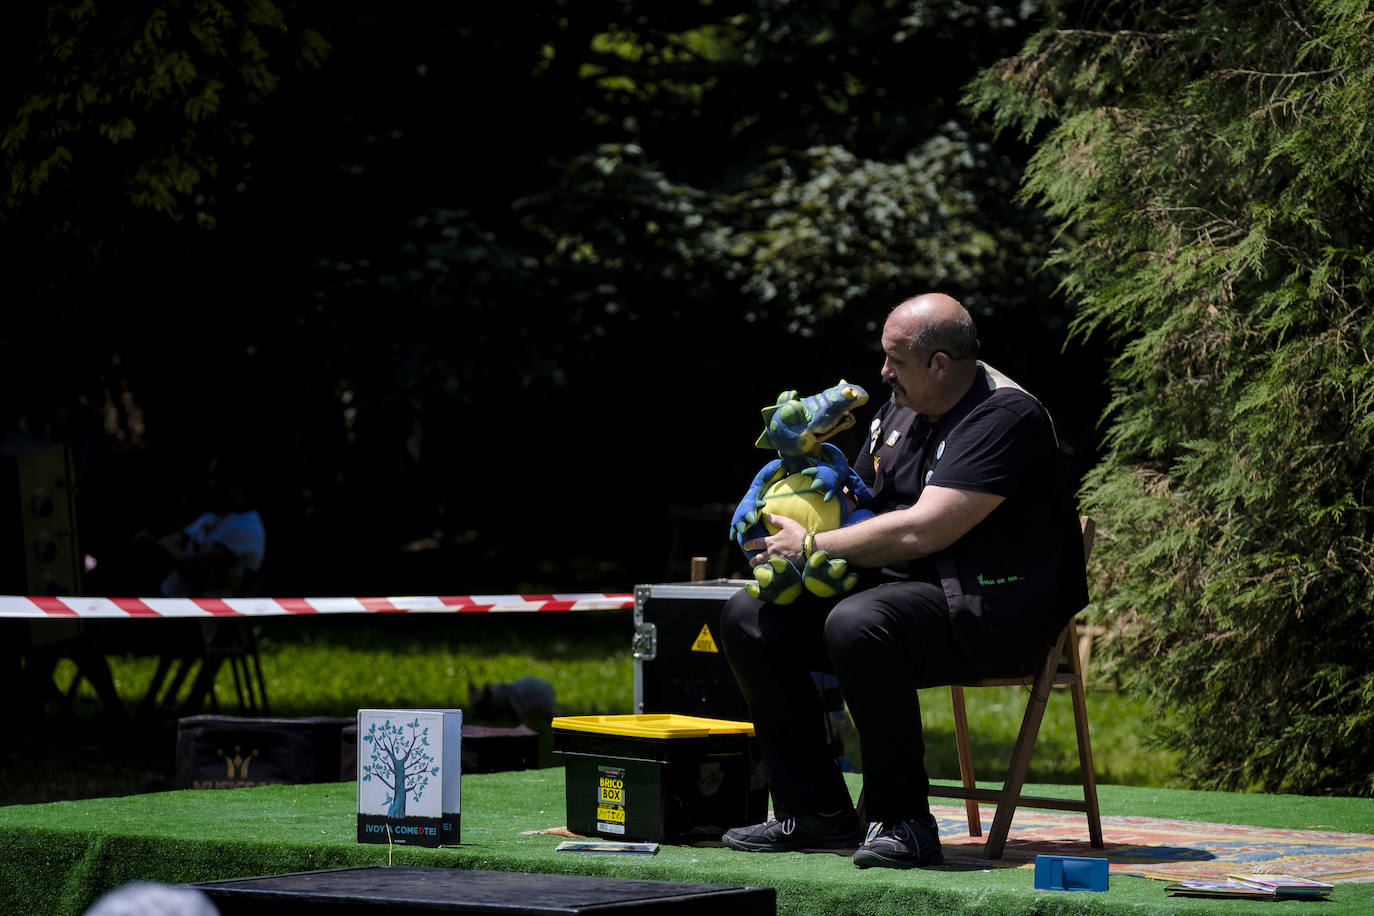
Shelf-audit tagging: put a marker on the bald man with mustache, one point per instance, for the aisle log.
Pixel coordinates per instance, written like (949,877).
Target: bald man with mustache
(971,567)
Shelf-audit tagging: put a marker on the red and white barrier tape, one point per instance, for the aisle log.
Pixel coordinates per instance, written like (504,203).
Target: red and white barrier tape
(71,607)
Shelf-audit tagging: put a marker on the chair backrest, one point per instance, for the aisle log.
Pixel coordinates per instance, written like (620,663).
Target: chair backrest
(1089,535)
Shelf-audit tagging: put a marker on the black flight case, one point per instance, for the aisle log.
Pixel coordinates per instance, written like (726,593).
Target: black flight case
(679,665)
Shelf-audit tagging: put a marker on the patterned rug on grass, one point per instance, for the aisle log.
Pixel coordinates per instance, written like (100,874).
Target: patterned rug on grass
(1166,849)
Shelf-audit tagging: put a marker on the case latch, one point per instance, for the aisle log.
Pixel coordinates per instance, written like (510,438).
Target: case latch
(645,643)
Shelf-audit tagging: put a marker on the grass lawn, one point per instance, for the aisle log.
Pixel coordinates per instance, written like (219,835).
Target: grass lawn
(333,666)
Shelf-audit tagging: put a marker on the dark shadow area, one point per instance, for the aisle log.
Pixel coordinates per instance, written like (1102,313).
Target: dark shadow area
(85,757)
(68,748)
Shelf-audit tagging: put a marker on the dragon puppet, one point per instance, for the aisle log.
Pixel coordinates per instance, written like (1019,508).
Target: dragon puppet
(810,482)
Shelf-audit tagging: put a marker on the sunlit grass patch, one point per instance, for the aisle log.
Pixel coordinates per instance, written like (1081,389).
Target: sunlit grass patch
(335,667)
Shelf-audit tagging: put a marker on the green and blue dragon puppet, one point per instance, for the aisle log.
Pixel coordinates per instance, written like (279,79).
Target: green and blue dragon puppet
(810,482)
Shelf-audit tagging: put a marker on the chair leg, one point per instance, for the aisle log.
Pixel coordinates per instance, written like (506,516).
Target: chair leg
(203,688)
(249,689)
(184,666)
(93,666)
(1021,755)
(257,670)
(149,702)
(961,740)
(1085,766)
(239,670)
(1078,690)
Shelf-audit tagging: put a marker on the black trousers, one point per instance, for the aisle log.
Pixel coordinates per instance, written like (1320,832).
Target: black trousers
(882,642)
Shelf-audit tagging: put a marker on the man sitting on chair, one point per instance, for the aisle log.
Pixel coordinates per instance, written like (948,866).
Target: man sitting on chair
(219,554)
(971,568)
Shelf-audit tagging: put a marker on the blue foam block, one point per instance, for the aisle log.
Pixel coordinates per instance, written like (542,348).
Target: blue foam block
(1070,873)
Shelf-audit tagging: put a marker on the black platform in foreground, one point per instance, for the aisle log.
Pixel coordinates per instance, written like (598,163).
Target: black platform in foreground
(449,890)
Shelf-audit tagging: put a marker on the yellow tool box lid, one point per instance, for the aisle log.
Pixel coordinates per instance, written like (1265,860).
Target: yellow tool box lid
(655,725)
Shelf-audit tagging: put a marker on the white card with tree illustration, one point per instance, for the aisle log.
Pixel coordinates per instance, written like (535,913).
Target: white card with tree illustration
(410,776)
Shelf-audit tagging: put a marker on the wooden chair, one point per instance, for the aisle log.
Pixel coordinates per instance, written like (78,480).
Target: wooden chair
(196,650)
(1063,667)
(198,659)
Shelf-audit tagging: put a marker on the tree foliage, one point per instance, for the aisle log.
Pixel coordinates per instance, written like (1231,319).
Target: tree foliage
(480,244)
(691,189)
(112,113)
(1209,167)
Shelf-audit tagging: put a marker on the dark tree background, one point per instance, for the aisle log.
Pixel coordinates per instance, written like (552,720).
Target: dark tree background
(487,288)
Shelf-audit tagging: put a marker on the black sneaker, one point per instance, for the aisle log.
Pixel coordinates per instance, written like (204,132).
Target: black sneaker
(805,832)
(910,844)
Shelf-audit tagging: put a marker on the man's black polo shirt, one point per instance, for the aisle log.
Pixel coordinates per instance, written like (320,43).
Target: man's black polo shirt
(1015,579)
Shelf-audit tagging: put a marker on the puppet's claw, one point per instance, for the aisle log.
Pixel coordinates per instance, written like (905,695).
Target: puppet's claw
(776,581)
(744,521)
(824,481)
(826,577)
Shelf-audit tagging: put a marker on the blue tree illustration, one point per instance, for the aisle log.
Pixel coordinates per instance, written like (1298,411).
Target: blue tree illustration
(400,761)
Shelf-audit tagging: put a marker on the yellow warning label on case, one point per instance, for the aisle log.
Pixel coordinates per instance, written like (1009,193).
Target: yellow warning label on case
(704,641)
(611,814)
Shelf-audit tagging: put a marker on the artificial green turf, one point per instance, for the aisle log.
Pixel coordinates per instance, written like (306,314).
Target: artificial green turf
(59,857)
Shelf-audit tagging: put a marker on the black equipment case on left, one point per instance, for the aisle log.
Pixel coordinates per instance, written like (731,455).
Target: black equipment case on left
(679,665)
